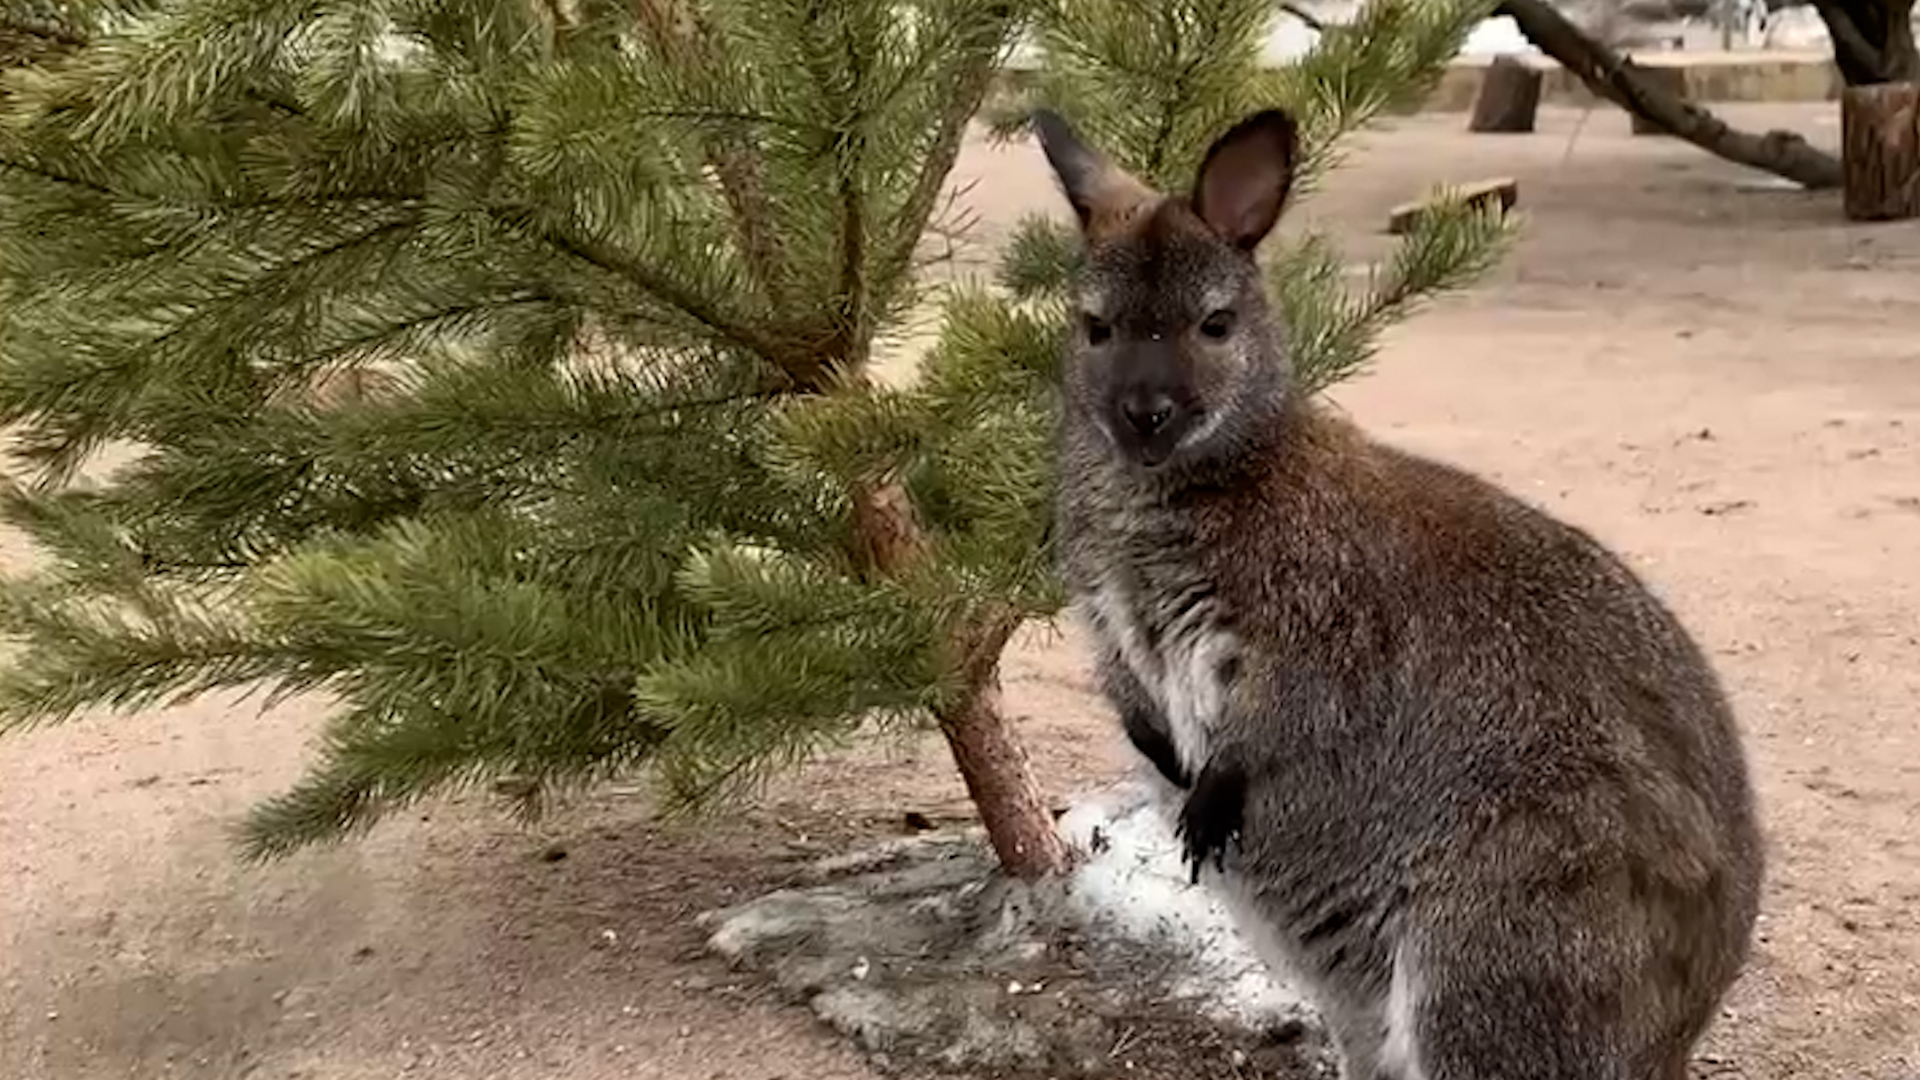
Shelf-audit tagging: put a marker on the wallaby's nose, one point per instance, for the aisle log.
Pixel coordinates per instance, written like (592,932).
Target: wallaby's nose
(1146,411)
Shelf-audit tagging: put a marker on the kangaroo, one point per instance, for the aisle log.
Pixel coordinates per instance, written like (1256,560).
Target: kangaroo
(1458,773)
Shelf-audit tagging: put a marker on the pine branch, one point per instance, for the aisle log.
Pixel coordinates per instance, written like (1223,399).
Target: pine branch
(82,405)
(659,285)
(800,654)
(83,653)
(974,77)
(1039,258)
(1333,333)
(1177,98)
(682,37)
(51,175)
(836,66)
(379,760)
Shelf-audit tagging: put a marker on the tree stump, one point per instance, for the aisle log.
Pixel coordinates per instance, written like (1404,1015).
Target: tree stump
(1880,151)
(1509,97)
(1672,80)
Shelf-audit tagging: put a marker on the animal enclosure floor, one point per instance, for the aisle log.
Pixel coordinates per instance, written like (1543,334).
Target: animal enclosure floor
(1718,377)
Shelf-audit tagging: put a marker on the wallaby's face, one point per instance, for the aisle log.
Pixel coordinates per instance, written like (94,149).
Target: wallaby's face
(1174,355)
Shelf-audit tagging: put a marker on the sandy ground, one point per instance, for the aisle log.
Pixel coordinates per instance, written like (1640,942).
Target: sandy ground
(1723,382)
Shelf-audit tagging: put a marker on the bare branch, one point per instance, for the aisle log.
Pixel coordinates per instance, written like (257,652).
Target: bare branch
(1314,22)
(1782,153)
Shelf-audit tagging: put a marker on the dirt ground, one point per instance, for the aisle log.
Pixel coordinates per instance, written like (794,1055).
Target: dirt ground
(1721,380)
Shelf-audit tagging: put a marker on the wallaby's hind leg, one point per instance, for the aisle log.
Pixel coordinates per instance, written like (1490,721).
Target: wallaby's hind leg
(1474,1015)
(1508,1030)
(1374,1038)
(1356,1038)
(1489,1031)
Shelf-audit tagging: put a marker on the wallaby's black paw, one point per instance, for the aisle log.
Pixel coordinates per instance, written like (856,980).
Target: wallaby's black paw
(1211,817)
(1151,739)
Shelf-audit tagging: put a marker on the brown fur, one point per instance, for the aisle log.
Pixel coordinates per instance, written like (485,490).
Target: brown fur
(1465,775)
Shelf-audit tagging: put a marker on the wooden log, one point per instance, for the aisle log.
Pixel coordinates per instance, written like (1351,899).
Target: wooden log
(1504,190)
(1880,151)
(1509,97)
(1671,81)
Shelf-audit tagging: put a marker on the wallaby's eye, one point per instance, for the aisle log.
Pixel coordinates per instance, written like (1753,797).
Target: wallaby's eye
(1217,325)
(1097,330)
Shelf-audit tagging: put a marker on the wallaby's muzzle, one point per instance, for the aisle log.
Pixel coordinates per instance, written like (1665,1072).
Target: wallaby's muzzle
(1149,421)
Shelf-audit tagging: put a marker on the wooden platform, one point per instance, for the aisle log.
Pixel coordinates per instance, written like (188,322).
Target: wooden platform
(1711,77)
(1771,76)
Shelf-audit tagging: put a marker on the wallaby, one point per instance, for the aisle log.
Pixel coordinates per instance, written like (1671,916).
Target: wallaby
(1458,772)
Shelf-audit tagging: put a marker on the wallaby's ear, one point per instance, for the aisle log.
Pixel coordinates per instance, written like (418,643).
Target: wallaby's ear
(1246,177)
(1102,194)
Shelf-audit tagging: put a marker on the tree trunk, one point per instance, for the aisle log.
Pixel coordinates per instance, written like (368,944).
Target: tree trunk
(995,767)
(1782,153)
(1901,55)
(888,539)
(998,774)
(1872,40)
(1508,99)
(1880,149)
(1671,81)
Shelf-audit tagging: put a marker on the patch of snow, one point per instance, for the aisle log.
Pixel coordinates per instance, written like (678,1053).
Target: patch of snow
(1795,28)
(922,950)
(1289,40)
(1492,37)
(1133,883)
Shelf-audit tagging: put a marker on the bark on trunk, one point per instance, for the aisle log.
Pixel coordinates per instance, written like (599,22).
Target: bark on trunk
(995,767)
(1880,141)
(997,771)
(1671,81)
(1782,153)
(887,530)
(1509,97)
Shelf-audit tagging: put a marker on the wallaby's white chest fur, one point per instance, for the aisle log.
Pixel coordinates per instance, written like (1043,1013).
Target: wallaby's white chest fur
(1179,662)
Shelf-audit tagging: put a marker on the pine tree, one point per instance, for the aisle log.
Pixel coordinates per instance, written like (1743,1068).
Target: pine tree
(501,369)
